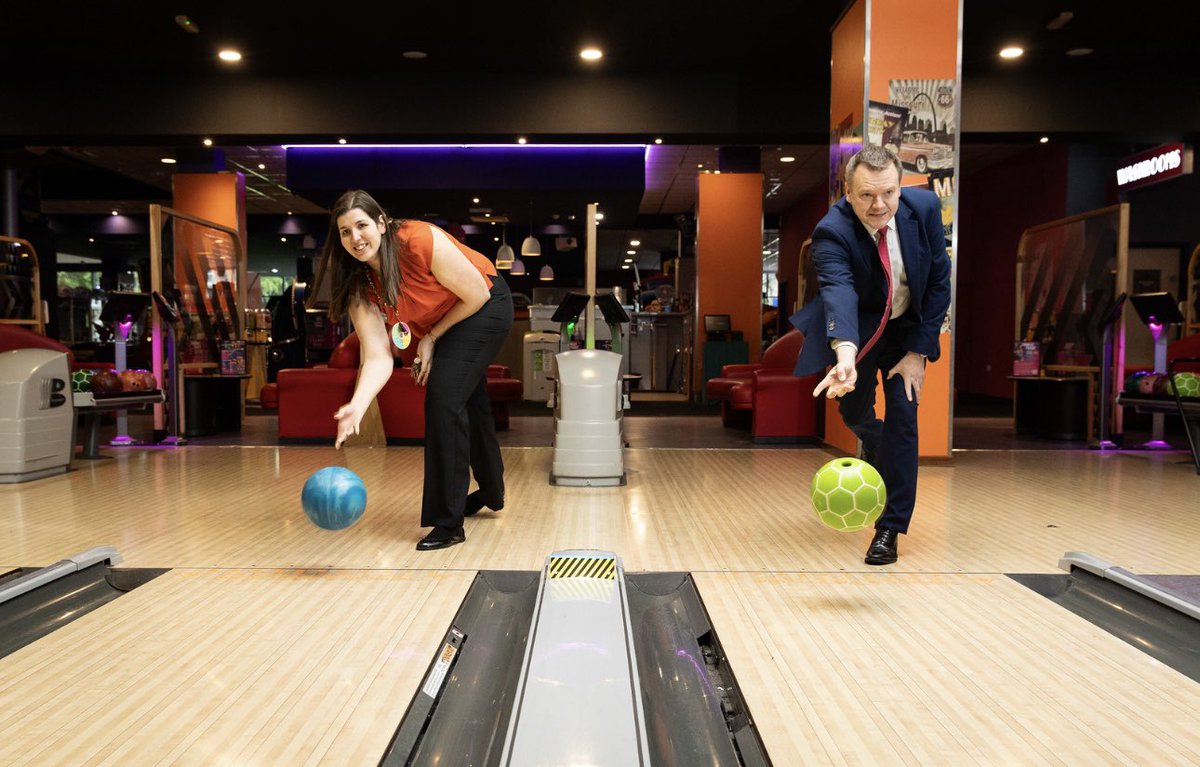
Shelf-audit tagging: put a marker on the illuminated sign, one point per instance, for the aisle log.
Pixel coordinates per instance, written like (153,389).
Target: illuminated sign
(1150,167)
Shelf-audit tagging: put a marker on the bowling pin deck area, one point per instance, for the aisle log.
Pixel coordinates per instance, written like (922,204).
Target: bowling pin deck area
(270,641)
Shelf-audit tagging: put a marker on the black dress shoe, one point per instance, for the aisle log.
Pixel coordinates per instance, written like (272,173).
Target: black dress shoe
(441,537)
(882,550)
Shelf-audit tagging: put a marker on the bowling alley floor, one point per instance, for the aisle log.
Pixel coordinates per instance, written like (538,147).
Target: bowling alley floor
(273,642)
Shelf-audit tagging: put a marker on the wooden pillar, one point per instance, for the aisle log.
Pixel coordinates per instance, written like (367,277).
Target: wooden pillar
(729,221)
(896,70)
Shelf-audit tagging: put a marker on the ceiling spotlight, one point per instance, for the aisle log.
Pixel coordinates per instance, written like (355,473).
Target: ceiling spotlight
(634,243)
(475,200)
(229,55)
(168,160)
(629,260)
(521,140)
(415,55)
(289,213)
(341,141)
(116,212)
(591,54)
(207,142)
(262,166)
(599,216)
(624,266)
(274,270)
(1012,52)
(631,252)
(1080,52)
(283,239)
(700,165)
(495,239)
(1044,140)
(787,158)
(91,239)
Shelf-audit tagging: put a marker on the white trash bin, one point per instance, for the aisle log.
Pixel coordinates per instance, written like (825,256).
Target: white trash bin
(588,446)
(37,415)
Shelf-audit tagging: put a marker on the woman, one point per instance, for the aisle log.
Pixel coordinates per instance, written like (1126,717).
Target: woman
(392,276)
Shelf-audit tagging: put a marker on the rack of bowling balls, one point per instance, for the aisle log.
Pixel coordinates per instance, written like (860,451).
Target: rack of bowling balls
(111,383)
(1147,384)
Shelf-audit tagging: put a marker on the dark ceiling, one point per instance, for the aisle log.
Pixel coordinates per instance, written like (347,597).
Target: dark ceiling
(104,91)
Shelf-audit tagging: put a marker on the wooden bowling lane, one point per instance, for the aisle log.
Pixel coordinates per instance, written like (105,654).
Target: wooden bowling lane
(245,667)
(719,510)
(932,669)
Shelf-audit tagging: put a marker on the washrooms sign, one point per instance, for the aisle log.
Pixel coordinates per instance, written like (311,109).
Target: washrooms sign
(1154,165)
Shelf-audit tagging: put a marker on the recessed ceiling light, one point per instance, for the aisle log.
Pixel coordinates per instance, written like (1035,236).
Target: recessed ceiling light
(571,217)
(495,239)
(1044,140)
(341,141)
(521,140)
(274,270)
(283,239)
(624,266)
(634,243)
(591,54)
(487,215)
(631,252)
(700,165)
(599,216)
(415,55)
(116,212)
(262,166)
(207,142)
(629,260)
(91,239)
(168,160)
(657,141)
(289,213)
(475,200)
(1011,52)
(229,55)
(1080,52)
(787,158)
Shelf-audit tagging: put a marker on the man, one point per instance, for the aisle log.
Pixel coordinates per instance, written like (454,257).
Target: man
(868,320)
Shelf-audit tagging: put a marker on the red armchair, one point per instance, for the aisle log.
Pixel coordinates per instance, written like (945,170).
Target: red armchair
(781,407)
(308,397)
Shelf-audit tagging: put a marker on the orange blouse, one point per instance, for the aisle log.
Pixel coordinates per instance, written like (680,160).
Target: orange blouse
(422,300)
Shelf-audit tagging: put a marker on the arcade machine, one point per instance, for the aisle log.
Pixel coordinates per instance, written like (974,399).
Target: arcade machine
(589,400)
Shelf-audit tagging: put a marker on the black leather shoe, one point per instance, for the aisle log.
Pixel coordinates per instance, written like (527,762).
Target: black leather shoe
(441,537)
(882,550)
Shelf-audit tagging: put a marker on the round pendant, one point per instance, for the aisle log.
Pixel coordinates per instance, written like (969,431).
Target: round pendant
(401,335)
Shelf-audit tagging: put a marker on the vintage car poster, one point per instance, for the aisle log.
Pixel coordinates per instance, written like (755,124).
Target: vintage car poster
(927,135)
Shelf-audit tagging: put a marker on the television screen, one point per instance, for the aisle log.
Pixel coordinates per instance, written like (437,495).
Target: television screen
(716,323)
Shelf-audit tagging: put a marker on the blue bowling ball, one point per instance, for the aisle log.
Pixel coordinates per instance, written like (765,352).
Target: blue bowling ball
(334,498)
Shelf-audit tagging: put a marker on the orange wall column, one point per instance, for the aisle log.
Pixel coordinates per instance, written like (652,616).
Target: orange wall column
(729,221)
(896,70)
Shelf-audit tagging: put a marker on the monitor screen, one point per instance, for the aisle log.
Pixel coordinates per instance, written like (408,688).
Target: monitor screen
(716,323)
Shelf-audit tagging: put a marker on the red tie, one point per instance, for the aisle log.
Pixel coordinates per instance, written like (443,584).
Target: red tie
(885,259)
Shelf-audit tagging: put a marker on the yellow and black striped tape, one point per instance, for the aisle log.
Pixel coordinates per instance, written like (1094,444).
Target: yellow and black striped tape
(602,568)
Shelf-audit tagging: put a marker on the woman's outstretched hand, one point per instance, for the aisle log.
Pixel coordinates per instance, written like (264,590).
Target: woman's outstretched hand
(348,418)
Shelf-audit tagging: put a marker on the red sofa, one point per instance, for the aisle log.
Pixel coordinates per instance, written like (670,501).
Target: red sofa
(780,406)
(308,397)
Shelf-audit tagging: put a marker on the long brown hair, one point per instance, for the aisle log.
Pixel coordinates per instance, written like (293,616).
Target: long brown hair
(348,275)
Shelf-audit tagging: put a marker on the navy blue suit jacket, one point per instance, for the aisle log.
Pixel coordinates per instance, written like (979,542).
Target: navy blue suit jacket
(854,286)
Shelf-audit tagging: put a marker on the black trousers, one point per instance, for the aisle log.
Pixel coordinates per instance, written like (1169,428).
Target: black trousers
(890,445)
(460,435)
